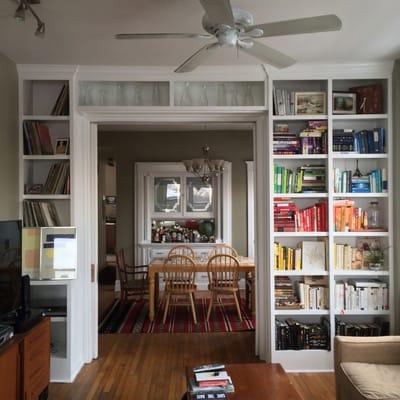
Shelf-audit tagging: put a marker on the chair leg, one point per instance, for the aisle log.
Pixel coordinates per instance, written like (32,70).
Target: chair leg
(166,307)
(193,307)
(210,305)
(235,295)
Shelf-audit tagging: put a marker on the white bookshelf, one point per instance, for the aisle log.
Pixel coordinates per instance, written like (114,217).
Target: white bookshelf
(37,95)
(322,360)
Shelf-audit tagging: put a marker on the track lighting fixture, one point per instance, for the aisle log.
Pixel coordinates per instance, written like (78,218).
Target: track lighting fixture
(21,11)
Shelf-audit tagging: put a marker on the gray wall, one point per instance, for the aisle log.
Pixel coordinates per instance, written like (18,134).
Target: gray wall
(396,188)
(130,147)
(8,138)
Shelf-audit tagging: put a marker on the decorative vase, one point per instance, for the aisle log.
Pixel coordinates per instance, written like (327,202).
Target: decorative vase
(374,266)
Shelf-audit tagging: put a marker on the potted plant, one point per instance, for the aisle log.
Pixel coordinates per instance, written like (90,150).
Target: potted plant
(375,258)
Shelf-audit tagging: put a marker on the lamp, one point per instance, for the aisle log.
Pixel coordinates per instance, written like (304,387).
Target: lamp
(21,12)
(205,168)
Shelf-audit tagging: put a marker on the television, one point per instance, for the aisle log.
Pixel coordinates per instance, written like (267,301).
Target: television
(10,267)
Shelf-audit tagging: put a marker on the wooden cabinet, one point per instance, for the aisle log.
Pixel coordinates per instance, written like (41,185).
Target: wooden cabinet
(25,364)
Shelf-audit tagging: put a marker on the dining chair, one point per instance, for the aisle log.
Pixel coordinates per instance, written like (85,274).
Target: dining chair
(224,248)
(223,277)
(182,250)
(133,279)
(179,276)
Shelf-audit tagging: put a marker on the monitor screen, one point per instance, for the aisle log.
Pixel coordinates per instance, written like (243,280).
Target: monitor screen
(10,266)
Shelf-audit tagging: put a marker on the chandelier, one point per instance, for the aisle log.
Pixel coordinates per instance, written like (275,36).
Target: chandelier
(205,168)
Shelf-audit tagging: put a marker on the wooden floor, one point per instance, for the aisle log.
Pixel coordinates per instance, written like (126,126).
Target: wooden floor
(152,367)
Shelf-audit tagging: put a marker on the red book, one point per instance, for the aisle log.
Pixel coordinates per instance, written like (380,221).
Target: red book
(222,382)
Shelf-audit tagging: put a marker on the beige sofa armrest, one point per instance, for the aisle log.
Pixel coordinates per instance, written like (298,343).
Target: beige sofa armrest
(378,350)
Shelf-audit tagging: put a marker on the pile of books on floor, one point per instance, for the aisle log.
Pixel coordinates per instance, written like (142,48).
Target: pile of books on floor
(210,382)
(40,213)
(306,179)
(288,218)
(377,328)
(362,142)
(58,179)
(313,293)
(346,182)
(37,140)
(285,297)
(285,142)
(294,335)
(361,295)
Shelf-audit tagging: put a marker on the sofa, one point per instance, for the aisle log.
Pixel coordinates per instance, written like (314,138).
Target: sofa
(367,368)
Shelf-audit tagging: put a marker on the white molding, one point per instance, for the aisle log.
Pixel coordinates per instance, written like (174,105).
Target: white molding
(250,208)
(46,71)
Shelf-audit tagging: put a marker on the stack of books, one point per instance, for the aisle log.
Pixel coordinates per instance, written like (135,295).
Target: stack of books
(40,213)
(37,140)
(313,293)
(349,218)
(346,182)
(287,258)
(362,142)
(284,215)
(285,297)
(313,139)
(61,107)
(58,179)
(376,328)
(283,101)
(306,179)
(361,295)
(285,142)
(210,382)
(347,257)
(294,335)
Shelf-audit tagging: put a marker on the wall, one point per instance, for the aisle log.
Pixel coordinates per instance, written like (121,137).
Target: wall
(8,138)
(396,188)
(130,147)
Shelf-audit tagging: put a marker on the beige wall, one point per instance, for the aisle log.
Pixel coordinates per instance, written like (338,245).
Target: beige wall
(8,138)
(130,147)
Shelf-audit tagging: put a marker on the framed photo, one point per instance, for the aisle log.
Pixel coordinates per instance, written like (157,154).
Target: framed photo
(344,103)
(62,146)
(310,103)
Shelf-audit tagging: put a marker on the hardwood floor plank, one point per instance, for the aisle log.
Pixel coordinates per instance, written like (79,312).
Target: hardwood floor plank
(152,367)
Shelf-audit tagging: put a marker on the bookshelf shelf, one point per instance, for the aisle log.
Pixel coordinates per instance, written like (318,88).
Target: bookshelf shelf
(46,196)
(284,130)
(300,117)
(46,157)
(45,117)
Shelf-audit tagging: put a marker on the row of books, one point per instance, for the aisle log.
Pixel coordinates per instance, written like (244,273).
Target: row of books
(357,295)
(284,101)
(349,218)
(377,328)
(363,142)
(58,179)
(313,293)
(347,182)
(306,179)
(311,140)
(294,335)
(40,213)
(310,255)
(285,296)
(37,139)
(61,106)
(288,218)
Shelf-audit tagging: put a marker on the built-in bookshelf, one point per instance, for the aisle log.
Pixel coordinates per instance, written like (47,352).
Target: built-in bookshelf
(45,187)
(330,190)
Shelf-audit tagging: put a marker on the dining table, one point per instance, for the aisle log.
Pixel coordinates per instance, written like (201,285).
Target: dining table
(156,266)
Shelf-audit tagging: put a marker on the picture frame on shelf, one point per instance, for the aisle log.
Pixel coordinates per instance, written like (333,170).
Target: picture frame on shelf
(310,103)
(62,146)
(344,103)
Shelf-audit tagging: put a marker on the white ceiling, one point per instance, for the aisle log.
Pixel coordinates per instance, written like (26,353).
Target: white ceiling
(81,31)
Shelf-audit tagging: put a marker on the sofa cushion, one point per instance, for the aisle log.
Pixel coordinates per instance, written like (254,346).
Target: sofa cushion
(374,381)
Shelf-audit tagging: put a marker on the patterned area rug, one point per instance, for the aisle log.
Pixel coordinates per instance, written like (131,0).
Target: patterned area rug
(132,317)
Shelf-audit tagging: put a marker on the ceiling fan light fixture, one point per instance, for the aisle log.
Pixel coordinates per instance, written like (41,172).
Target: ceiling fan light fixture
(19,15)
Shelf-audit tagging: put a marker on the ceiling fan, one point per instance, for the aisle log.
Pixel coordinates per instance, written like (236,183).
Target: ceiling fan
(235,27)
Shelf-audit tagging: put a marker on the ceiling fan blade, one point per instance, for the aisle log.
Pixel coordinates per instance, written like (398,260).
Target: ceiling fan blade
(197,58)
(268,55)
(163,36)
(219,11)
(323,23)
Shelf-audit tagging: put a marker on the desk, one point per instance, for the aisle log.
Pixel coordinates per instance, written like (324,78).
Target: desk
(246,265)
(258,382)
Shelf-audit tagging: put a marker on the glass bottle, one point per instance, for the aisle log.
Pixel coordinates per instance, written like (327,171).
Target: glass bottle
(374,215)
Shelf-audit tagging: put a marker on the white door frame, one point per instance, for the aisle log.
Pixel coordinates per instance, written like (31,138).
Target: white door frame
(257,121)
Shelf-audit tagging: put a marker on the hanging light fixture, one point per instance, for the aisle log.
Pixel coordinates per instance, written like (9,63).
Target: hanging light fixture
(205,168)
(20,14)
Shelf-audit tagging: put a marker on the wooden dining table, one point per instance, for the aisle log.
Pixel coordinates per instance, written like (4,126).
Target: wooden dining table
(156,266)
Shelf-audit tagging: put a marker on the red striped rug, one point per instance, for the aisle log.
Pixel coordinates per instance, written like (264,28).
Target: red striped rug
(132,317)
